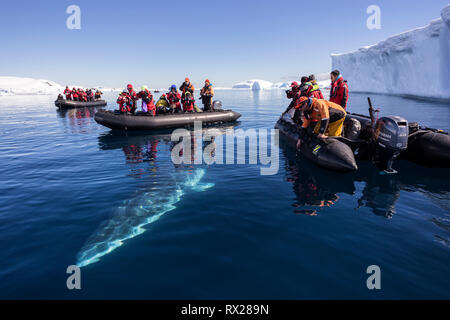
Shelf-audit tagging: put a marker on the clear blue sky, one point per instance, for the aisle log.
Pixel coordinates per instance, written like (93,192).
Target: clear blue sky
(161,42)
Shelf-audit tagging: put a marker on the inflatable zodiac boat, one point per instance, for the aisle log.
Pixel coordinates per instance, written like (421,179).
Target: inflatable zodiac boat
(363,138)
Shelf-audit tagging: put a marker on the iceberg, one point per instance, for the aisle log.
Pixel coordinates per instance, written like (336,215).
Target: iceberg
(129,219)
(254,85)
(413,63)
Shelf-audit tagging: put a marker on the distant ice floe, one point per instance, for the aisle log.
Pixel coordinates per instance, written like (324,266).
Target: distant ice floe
(416,62)
(257,85)
(254,85)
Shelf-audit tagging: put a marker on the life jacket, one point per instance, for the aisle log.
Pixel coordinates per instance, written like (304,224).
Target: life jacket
(124,103)
(339,92)
(146,96)
(207,90)
(174,98)
(188,104)
(187,88)
(162,103)
(322,109)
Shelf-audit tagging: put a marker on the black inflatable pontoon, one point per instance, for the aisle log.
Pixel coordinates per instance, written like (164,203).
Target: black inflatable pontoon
(382,142)
(330,153)
(69,104)
(115,120)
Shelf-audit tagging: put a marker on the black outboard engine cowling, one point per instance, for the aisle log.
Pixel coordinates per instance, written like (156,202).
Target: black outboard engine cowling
(391,137)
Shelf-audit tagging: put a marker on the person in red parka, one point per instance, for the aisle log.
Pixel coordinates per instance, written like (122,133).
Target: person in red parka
(82,95)
(313,89)
(293,93)
(75,94)
(133,96)
(68,93)
(339,89)
(174,98)
(148,103)
(188,102)
(124,102)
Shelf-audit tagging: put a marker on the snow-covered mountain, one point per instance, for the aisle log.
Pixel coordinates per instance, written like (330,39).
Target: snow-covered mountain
(415,62)
(30,86)
(18,86)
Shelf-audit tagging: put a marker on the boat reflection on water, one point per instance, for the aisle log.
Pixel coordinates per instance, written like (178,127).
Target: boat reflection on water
(78,119)
(317,188)
(314,188)
(165,184)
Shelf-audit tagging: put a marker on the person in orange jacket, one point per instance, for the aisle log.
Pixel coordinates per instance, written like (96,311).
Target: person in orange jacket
(329,116)
(207,94)
(187,86)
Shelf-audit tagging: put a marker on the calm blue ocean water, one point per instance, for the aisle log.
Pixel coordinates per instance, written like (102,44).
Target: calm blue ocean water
(71,192)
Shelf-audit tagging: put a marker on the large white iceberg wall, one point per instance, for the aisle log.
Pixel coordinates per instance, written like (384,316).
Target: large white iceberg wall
(414,63)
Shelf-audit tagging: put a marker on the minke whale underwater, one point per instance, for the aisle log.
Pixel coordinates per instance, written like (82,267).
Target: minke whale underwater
(129,220)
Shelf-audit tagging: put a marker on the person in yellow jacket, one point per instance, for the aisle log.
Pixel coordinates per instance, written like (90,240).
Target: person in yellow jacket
(329,116)
(162,106)
(206,94)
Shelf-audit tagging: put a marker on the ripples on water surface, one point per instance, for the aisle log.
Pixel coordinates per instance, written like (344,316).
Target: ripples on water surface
(73,192)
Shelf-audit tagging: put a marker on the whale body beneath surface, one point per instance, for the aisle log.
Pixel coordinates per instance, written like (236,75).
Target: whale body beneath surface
(129,220)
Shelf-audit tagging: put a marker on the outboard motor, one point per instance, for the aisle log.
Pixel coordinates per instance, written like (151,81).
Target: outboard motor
(391,138)
(217,105)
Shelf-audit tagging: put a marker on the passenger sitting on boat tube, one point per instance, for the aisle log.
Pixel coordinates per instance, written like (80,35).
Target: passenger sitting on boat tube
(98,95)
(68,93)
(74,94)
(162,105)
(329,115)
(82,95)
(188,102)
(174,98)
(133,98)
(125,102)
(148,104)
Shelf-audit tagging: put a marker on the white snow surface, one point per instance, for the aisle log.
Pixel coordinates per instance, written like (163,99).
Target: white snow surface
(10,86)
(20,86)
(416,63)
